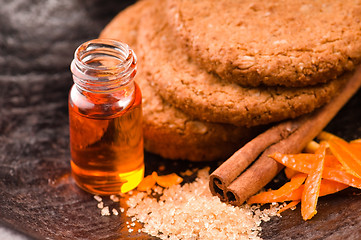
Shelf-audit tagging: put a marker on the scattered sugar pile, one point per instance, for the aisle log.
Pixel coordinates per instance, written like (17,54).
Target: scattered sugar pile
(192,212)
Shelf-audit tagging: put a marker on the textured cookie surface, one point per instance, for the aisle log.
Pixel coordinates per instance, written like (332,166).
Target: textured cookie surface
(205,96)
(168,131)
(253,42)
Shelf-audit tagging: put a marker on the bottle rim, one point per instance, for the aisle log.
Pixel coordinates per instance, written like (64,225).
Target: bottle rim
(91,74)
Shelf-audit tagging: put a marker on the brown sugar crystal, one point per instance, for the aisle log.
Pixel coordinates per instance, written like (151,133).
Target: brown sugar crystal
(191,212)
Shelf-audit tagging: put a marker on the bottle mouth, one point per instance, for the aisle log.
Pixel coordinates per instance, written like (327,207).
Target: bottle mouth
(103,65)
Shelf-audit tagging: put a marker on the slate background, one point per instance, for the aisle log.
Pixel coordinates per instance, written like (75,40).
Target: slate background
(37,196)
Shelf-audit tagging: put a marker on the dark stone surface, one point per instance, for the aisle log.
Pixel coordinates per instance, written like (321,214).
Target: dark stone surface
(37,195)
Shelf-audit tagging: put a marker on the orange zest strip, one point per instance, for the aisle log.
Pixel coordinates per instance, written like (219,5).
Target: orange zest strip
(341,176)
(335,173)
(289,172)
(356,144)
(303,161)
(167,180)
(347,155)
(327,187)
(311,147)
(298,162)
(292,196)
(312,185)
(274,195)
(147,183)
(326,168)
(326,136)
(331,161)
(288,206)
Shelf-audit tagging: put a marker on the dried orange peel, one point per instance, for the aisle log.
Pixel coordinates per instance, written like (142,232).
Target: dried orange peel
(312,185)
(347,155)
(164,181)
(326,136)
(327,187)
(274,195)
(147,183)
(356,144)
(327,168)
(288,206)
(311,147)
(301,163)
(290,172)
(167,180)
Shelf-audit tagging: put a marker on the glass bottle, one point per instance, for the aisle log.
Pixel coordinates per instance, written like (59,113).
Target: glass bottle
(105,118)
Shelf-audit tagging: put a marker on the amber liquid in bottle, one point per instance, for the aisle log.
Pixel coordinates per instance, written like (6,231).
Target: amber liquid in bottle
(107,152)
(105,120)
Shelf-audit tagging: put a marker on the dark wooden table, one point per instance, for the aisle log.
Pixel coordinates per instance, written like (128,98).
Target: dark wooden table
(37,195)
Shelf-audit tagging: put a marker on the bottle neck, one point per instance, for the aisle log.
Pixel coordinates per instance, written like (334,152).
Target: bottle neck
(103,66)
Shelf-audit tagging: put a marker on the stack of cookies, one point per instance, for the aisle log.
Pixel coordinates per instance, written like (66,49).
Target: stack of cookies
(213,73)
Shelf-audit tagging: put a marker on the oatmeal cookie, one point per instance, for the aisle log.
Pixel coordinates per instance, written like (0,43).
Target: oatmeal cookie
(205,96)
(168,131)
(257,42)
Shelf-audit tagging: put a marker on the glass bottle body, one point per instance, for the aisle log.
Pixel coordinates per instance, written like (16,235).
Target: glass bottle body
(106,139)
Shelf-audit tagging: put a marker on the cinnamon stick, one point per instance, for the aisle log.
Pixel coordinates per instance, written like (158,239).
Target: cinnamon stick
(224,175)
(234,181)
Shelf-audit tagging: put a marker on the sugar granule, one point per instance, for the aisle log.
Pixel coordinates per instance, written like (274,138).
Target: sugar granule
(105,211)
(192,212)
(158,190)
(115,212)
(98,198)
(100,205)
(114,198)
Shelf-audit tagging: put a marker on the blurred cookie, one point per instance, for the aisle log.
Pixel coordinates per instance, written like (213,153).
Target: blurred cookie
(124,26)
(172,134)
(205,96)
(168,131)
(256,42)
